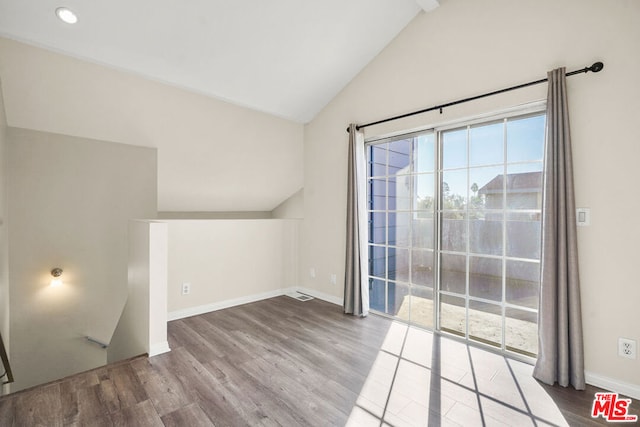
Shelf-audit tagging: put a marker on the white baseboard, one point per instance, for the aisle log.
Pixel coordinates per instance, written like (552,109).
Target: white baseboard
(611,384)
(159,348)
(320,295)
(207,308)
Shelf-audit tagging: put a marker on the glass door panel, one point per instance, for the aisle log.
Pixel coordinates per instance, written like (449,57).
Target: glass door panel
(454,229)
(401,212)
(488,246)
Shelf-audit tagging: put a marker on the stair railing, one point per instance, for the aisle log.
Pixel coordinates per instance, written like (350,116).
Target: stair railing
(5,363)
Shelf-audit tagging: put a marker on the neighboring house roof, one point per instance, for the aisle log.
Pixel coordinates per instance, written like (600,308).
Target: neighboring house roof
(525,182)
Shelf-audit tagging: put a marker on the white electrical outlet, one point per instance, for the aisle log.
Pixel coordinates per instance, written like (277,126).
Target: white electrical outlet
(312,273)
(627,348)
(333,279)
(186,288)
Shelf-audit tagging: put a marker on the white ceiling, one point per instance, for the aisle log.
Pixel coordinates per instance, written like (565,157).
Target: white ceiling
(284,57)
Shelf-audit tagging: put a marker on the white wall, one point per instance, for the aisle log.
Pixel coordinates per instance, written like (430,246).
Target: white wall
(157,287)
(212,155)
(467,47)
(229,261)
(70,202)
(143,325)
(215,215)
(292,208)
(4,249)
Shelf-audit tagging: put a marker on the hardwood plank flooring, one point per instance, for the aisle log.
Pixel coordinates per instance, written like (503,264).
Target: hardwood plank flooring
(282,362)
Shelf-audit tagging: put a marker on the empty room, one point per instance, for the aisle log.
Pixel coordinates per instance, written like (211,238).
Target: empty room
(363,213)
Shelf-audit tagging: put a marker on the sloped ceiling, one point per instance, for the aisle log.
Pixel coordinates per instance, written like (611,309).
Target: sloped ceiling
(284,57)
(221,88)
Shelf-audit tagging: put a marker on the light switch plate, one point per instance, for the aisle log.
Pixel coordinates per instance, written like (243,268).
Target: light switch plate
(583,217)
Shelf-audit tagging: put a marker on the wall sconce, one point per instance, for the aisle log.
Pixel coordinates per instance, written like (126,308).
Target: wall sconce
(57,280)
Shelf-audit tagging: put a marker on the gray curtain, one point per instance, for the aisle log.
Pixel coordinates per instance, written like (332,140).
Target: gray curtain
(356,287)
(560,352)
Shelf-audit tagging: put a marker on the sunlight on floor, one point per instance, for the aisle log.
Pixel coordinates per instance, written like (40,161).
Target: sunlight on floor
(421,379)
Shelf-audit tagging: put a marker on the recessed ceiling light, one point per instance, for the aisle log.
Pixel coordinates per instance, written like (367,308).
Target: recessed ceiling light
(66,15)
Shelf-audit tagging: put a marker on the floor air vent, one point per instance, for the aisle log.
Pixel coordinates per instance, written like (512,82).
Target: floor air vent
(299,296)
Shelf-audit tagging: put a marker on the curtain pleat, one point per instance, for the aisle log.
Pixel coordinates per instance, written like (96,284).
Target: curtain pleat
(356,285)
(560,352)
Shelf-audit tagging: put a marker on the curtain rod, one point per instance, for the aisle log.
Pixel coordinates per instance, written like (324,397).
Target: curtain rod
(595,68)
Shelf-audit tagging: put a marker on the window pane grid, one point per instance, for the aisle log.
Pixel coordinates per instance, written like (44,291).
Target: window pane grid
(500,164)
(489,301)
(472,209)
(483,205)
(400,211)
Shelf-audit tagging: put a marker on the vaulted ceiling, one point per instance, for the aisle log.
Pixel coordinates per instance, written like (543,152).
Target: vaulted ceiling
(221,88)
(288,58)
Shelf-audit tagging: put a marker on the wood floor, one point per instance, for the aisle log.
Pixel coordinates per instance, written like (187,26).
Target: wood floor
(286,362)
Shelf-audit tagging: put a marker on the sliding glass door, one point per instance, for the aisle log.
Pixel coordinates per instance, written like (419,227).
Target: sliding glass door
(401,210)
(454,217)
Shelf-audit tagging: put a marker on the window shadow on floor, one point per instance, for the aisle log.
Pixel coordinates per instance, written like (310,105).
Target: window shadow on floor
(424,379)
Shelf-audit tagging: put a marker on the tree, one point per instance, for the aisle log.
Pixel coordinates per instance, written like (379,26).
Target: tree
(445,188)
(477,200)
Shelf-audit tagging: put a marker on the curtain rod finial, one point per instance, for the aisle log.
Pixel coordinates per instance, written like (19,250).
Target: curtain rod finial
(596,67)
